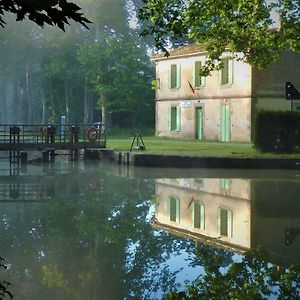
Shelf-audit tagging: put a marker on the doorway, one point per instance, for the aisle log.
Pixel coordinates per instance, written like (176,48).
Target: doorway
(199,123)
(225,123)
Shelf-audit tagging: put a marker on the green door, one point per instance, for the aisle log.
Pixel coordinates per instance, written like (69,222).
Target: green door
(199,123)
(225,123)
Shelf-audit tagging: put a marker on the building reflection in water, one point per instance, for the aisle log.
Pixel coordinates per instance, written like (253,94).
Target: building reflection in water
(235,214)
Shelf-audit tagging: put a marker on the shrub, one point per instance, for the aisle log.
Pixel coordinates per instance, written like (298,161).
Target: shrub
(277,131)
(118,132)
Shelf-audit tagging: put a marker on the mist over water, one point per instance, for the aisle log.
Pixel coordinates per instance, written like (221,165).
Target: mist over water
(101,231)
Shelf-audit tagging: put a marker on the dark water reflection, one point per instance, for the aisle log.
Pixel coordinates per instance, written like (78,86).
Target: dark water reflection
(99,231)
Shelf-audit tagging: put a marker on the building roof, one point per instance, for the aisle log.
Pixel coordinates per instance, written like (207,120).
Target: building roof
(187,50)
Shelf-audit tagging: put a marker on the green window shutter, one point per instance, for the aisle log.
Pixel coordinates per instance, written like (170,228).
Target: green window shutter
(170,77)
(178,76)
(169,117)
(197,68)
(220,77)
(223,123)
(177,210)
(225,217)
(225,74)
(227,123)
(199,118)
(193,214)
(169,206)
(173,209)
(230,71)
(178,118)
(230,221)
(202,216)
(225,183)
(194,72)
(202,80)
(198,215)
(219,220)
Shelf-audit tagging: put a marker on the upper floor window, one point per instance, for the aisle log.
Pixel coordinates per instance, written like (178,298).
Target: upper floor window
(198,80)
(226,73)
(174,76)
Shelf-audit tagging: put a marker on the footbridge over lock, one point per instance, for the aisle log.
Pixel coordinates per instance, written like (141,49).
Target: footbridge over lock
(19,139)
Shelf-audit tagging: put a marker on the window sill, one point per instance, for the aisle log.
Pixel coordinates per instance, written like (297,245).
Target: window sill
(226,85)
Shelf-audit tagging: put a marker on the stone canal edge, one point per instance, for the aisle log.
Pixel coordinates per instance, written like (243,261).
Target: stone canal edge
(178,161)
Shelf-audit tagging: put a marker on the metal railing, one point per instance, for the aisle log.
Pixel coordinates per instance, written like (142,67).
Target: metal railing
(52,133)
(44,188)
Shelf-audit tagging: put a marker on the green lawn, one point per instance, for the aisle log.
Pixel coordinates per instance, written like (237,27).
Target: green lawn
(191,147)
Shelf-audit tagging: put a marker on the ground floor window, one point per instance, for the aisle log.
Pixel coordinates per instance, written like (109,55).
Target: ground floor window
(199,123)
(198,215)
(225,222)
(225,183)
(174,209)
(174,118)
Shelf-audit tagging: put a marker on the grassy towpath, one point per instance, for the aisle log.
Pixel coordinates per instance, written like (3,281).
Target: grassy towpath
(191,147)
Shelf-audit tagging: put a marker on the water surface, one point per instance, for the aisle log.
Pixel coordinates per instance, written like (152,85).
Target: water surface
(91,230)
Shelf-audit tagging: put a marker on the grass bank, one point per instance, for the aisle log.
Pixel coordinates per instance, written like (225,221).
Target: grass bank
(192,147)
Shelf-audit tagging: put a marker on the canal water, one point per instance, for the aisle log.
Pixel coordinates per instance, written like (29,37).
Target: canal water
(89,230)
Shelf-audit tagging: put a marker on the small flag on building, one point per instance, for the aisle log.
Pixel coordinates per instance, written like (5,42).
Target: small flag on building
(193,90)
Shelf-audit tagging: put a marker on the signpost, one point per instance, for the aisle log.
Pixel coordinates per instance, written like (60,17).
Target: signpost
(291,93)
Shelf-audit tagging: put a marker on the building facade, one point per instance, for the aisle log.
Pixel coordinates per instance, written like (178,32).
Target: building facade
(232,213)
(222,106)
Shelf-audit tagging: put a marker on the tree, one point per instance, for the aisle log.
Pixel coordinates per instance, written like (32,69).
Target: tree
(120,73)
(238,26)
(251,278)
(52,12)
(51,73)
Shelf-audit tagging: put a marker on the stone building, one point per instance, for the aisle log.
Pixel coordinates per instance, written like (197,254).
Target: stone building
(222,106)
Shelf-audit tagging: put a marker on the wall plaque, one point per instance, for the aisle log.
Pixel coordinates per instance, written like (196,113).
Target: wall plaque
(186,103)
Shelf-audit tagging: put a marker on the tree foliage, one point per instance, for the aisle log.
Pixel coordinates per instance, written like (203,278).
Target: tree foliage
(4,284)
(46,73)
(251,278)
(238,26)
(52,12)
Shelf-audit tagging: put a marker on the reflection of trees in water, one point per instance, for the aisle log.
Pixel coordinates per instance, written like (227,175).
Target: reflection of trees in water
(4,285)
(95,247)
(212,258)
(253,277)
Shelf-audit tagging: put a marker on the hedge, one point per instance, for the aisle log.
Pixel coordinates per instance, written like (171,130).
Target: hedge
(277,131)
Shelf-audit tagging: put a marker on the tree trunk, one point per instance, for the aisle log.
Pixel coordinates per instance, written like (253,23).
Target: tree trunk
(44,111)
(27,95)
(52,102)
(2,102)
(66,101)
(86,108)
(103,110)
